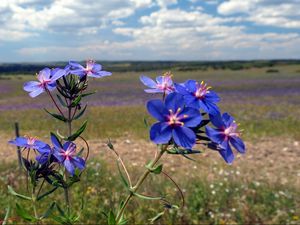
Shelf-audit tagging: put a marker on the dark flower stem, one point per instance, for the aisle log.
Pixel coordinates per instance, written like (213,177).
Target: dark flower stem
(140,182)
(48,92)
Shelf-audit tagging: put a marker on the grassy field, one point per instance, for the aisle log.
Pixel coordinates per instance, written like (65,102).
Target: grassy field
(262,187)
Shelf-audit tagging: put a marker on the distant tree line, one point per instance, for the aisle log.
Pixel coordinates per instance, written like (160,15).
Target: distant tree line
(139,66)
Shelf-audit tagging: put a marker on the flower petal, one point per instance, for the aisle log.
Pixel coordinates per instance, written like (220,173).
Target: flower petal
(228,119)
(44,74)
(212,97)
(174,101)
(181,89)
(55,142)
(36,92)
(238,144)
(217,120)
(184,137)
(193,117)
(69,166)
(57,73)
(19,141)
(227,154)
(76,65)
(147,81)
(153,91)
(191,85)
(160,133)
(31,86)
(214,135)
(157,109)
(78,162)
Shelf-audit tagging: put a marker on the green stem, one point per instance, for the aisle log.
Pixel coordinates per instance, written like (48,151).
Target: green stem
(33,197)
(140,182)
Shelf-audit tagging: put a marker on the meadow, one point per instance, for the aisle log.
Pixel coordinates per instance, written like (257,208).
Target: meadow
(261,187)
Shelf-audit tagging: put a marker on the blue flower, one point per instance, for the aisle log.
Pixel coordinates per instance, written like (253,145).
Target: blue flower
(45,155)
(67,156)
(225,134)
(28,142)
(199,96)
(175,121)
(163,84)
(46,80)
(91,70)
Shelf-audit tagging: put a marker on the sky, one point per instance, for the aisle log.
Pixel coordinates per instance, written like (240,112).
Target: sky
(61,30)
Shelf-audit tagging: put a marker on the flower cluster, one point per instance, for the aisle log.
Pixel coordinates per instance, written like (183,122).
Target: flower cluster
(181,115)
(59,164)
(47,77)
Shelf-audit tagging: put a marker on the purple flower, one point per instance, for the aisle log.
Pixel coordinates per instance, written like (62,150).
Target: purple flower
(199,96)
(91,70)
(163,84)
(226,132)
(46,80)
(66,155)
(28,142)
(174,121)
(45,154)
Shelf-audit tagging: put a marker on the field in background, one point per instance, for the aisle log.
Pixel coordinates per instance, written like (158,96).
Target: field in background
(262,187)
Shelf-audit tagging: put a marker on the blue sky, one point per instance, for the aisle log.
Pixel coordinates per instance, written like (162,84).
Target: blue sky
(55,30)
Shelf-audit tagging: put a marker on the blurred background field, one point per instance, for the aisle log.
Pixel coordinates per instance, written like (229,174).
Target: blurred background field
(261,187)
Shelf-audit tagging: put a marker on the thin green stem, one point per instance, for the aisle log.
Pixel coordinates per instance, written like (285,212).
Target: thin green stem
(33,197)
(140,182)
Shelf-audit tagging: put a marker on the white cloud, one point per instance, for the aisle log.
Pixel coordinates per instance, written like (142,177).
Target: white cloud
(165,3)
(64,16)
(275,13)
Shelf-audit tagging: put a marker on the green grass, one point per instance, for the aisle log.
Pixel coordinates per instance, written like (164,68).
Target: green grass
(226,199)
(118,121)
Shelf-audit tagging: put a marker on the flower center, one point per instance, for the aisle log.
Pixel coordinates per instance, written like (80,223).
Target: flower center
(202,90)
(89,66)
(174,119)
(31,140)
(164,85)
(69,153)
(232,131)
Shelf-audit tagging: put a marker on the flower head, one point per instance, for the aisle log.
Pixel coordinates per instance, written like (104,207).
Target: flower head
(199,96)
(28,142)
(225,133)
(66,155)
(163,84)
(91,70)
(175,121)
(46,80)
(44,155)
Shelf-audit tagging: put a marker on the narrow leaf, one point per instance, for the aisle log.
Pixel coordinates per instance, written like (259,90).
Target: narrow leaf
(57,116)
(6,215)
(11,191)
(78,132)
(155,170)
(76,101)
(61,101)
(87,94)
(157,217)
(46,194)
(122,177)
(146,122)
(25,215)
(80,113)
(147,197)
(49,210)
(111,218)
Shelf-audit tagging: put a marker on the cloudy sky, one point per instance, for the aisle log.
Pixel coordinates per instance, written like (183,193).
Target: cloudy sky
(53,30)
